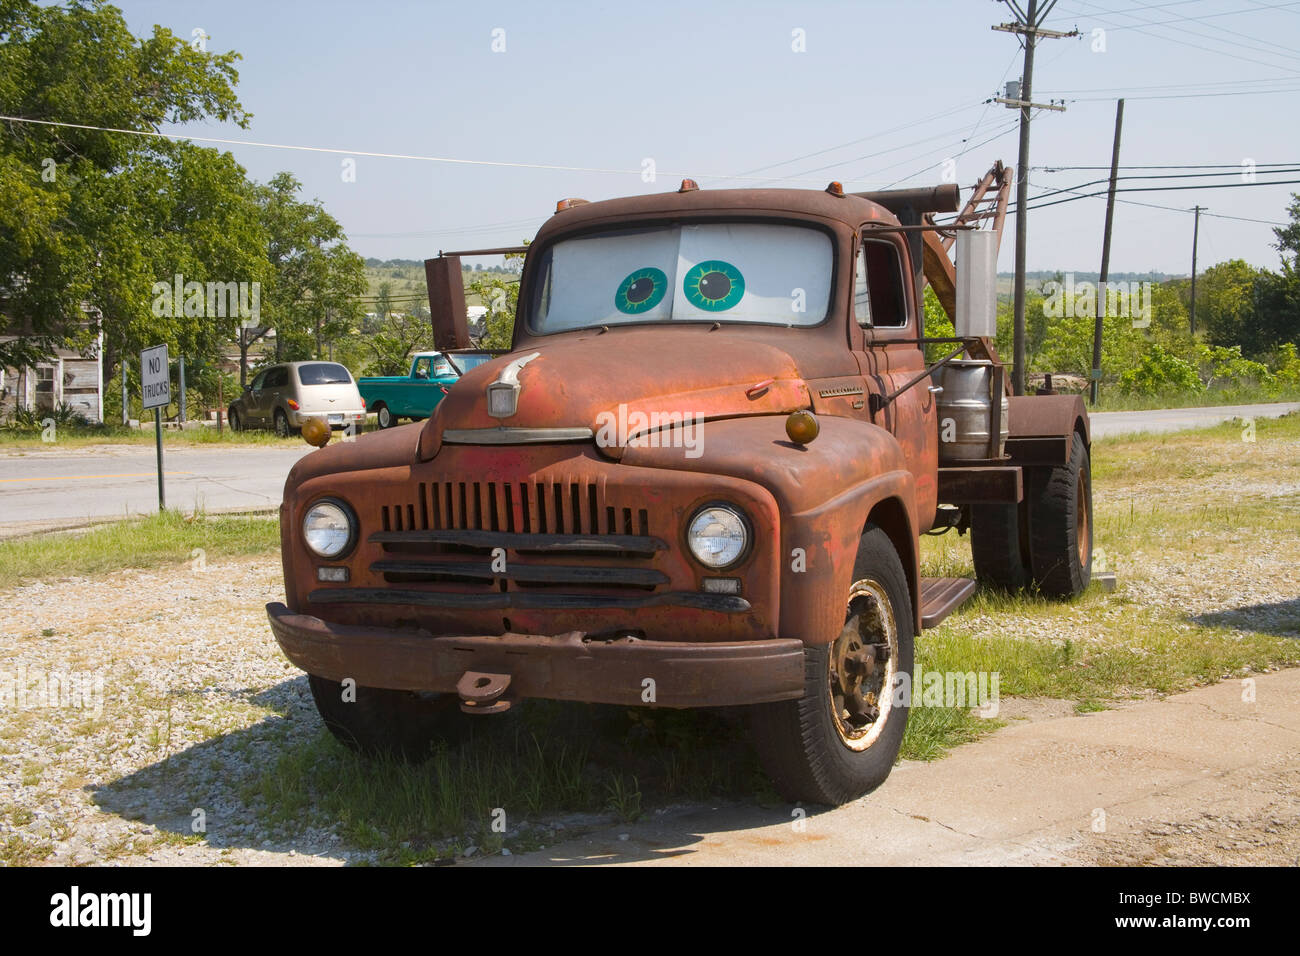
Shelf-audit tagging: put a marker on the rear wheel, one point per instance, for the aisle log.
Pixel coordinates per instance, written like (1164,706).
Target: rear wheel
(282,424)
(840,740)
(385,416)
(382,722)
(999,546)
(1060,523)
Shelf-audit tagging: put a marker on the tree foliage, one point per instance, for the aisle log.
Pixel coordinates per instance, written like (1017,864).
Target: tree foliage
(91,218)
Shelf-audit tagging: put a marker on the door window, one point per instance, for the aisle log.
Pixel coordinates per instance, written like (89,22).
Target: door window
(878,300)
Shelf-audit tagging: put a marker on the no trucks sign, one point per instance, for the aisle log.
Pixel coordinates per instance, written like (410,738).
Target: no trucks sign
(155,379)
(156,391)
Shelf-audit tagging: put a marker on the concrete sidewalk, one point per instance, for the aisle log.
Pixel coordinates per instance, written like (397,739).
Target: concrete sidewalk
(1200,778)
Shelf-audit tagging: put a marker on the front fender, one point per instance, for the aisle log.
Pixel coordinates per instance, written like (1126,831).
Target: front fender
(826,491)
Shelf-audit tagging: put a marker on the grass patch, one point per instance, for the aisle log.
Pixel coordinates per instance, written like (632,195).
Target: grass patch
(542,759)
(170,537)
(1153,505)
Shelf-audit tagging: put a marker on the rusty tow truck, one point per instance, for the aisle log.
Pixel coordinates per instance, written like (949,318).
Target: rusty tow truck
(698,478)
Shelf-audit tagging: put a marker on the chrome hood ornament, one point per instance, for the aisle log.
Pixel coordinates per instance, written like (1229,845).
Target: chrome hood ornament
(503,394)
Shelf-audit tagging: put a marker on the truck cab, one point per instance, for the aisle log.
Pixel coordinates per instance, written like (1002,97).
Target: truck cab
(697,479)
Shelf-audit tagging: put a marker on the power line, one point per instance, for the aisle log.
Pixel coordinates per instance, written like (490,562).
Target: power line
(1160,189)
(1160,36)
(1237,166)
(1237,172)
(374,154)
(1189,96)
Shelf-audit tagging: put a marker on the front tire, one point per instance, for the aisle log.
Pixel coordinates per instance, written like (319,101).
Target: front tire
(235,422)
(387,723)
(840,740)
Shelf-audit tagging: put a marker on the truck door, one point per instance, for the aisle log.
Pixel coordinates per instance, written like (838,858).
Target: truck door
(885,313)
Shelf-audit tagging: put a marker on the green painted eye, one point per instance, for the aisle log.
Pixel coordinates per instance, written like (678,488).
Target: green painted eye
(641,291)
(714,286)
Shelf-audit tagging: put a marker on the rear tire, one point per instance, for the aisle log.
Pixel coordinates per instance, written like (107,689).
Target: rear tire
(384,416)
(828,747)
(1060,524)
(1001,556)
(282,428)
(388,723)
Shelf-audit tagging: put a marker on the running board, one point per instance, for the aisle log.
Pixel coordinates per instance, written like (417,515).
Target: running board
(941,596)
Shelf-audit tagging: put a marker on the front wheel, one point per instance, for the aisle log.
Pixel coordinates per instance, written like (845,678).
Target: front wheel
(385,416)
(236,424)
(840,740)
(375,721)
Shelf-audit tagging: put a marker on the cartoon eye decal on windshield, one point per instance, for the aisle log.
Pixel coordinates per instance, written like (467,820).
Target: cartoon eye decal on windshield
(641,291)
(714,286)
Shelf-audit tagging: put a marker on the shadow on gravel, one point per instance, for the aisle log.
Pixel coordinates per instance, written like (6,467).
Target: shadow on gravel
(538,775)
(1281,618)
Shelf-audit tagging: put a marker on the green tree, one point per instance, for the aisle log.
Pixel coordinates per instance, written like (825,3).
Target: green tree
(1225,295)
(500,296)
(312,295)
(75,239)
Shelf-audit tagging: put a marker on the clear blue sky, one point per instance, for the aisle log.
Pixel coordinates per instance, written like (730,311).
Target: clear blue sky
(884,93)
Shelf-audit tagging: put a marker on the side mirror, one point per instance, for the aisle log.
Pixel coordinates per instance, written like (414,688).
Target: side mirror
(977,284)
(447,303)
(248,388)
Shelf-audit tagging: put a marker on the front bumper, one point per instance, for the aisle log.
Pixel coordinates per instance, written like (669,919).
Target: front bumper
(560,667)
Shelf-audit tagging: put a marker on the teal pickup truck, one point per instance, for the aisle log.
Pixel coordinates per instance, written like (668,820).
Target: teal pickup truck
(416,394)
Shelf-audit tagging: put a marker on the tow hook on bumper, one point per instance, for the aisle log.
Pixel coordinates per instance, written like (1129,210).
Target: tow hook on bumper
(480,693)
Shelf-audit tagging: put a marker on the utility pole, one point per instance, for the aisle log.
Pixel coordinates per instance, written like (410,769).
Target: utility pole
(1028,25)
(1196,228)
(1102,301)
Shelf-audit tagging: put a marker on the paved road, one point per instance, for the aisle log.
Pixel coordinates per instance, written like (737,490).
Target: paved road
(1202,778)
(42,488)
(1176,419)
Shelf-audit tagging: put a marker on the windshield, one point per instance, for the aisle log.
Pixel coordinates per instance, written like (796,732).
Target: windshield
(725,272)
(463,362)
(324,373)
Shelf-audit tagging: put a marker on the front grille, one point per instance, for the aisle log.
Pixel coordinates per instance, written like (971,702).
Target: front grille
(447,536)
(546,507)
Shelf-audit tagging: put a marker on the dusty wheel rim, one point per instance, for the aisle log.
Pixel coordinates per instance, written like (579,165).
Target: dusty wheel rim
(1082,533)
(281,425)
(863,662)
(385,416)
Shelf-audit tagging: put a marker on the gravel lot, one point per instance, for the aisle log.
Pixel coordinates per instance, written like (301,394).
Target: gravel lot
(196,697)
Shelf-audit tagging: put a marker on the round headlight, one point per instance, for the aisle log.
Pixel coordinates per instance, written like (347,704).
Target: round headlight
(327,529)
(718,536)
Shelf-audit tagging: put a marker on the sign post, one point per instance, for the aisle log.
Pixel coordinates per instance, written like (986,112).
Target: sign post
(155,386)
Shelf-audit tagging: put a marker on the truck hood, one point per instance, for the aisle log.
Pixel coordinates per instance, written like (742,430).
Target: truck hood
(625,380)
